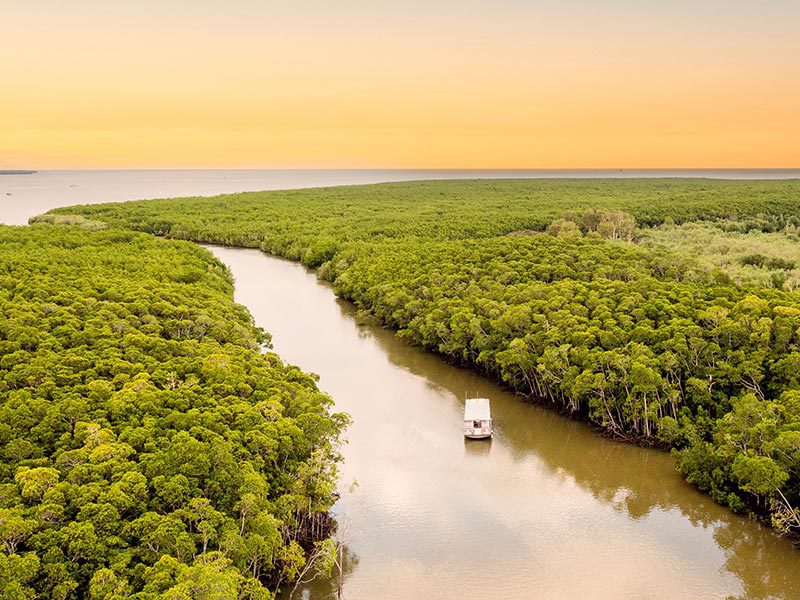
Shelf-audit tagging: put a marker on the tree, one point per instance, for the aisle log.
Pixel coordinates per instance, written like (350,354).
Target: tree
(16,574)
(563,228)
(35,482)
(759,475)
(14,528)
(617,225)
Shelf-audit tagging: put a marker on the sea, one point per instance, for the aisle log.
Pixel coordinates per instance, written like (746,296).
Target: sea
(23,196)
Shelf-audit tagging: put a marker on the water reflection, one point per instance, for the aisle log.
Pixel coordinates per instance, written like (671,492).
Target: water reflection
(332,587)
(477,447)
(548,509)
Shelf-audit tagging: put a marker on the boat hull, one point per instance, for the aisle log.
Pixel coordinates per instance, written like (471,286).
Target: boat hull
(478,435)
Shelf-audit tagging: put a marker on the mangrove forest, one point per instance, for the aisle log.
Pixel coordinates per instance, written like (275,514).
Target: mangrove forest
(587,295)
(151,446)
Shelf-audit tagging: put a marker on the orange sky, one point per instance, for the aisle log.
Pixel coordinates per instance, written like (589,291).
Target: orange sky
(501,84)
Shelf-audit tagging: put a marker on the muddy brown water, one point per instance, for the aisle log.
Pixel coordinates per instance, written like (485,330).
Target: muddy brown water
(548,509)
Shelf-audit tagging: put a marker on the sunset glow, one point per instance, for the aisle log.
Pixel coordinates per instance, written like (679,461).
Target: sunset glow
(386,84)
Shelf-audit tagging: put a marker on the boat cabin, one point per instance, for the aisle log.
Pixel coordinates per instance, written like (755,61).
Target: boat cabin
(477,418)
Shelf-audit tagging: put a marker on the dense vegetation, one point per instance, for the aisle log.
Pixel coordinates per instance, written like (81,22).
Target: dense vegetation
(148,448)
(767,259)
(540,284)
(311,224)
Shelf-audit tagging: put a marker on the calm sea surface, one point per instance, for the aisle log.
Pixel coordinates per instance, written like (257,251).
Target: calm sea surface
(548,509)
(23,196)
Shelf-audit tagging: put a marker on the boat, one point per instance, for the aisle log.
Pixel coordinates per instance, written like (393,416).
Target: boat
(477,418)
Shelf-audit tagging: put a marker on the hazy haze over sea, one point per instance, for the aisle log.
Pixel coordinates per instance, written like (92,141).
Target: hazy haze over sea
(24,196)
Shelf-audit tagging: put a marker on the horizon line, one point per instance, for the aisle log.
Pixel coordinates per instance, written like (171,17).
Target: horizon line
(452,169)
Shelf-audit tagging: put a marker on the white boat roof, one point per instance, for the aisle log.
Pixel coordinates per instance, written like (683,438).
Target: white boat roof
(477,409)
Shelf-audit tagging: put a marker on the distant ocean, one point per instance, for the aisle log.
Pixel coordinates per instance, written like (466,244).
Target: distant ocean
(23,196)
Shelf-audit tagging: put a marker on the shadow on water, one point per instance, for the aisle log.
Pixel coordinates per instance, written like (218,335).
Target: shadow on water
(477,447)
(326,587)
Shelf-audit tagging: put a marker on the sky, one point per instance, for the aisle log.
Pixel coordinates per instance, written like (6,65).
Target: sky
(399,84)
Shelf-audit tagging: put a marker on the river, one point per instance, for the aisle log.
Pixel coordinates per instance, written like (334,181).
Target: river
(548,509)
